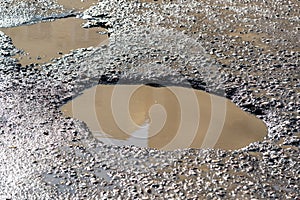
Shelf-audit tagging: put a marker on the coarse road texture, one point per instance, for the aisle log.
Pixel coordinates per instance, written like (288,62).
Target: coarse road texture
(251,49)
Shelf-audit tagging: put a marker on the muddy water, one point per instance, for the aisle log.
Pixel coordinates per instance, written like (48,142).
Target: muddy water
(164,118)
(43,41)
(77,4)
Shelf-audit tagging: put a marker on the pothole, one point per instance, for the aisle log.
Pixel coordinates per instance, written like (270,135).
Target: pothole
(46,40)
(165,118)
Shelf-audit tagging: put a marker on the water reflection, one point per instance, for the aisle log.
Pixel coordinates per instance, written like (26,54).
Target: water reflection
(164,118)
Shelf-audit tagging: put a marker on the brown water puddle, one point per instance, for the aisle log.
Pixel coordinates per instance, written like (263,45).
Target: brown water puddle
(164,118)
(42,41)
(77,4)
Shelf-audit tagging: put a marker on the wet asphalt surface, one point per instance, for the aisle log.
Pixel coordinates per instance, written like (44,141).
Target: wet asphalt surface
(248,52)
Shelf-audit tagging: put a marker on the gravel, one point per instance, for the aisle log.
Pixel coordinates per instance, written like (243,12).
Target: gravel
(16,13)
(246,52)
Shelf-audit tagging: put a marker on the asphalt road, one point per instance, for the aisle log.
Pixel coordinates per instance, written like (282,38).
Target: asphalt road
(249,54)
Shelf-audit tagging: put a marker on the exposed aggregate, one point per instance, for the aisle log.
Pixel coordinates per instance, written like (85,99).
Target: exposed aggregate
(251,50)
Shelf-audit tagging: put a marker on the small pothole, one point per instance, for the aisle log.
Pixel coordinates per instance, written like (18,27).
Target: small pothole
(46,40)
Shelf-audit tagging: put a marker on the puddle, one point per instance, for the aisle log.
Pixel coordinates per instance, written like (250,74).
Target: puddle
(42,41)
(77,4)
(164,117)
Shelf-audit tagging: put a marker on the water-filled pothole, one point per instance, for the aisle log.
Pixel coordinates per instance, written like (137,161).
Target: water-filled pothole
(43,41)
(164,117)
